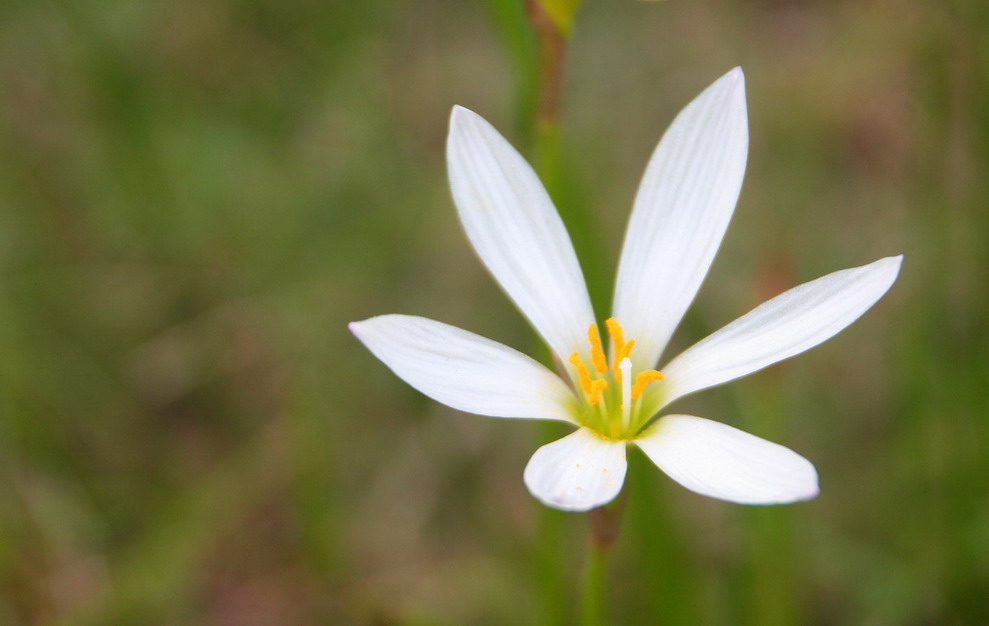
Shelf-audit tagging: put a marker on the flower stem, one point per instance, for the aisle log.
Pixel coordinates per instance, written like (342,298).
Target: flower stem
(592,606)
(551,42)
(605,521)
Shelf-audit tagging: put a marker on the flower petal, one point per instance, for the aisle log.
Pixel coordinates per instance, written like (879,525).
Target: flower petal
(512,224)
(726,463)
(464,370)
(681,211)
(577,473)
(790,323)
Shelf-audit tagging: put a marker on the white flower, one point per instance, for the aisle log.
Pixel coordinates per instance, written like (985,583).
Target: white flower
(683,206)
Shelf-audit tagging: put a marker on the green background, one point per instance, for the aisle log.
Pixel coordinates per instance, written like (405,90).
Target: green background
(196,197)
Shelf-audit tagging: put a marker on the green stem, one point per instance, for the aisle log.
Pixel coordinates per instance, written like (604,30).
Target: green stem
(605,521)
(592,605)
(551,43)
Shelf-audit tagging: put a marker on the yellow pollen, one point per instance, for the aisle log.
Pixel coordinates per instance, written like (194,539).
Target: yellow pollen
(625,352)
(620,347)
(583,376)
(597,388)
(617,337)
(592,388)
(644,378)
(597,354)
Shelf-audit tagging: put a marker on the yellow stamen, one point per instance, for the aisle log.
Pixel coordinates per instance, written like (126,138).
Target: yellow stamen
(626,350)
(620,348)
(583,376)
(597,354)
(617,338)
(592,388)
(644,378)
(598,387)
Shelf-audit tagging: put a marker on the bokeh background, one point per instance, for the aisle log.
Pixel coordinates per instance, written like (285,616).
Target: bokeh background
(196,197)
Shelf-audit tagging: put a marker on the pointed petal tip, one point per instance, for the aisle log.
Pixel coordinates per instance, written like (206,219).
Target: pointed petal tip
(809,493)
(354,328)
(812,487)
(810,490)
(890,266)
(730,89)
(806,496)
(812,493)
(460,115)
(733,80)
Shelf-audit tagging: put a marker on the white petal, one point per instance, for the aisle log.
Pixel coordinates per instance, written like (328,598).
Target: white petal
(577,473)
(681,211)
(512,224)
(790,323)
(726,463)
(464,370)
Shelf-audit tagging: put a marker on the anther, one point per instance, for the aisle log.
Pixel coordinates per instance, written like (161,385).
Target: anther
(583,376)
(644,378)
(626,351)
(619,347)
(592,388)
(617,337)
(597,354)
(597,388)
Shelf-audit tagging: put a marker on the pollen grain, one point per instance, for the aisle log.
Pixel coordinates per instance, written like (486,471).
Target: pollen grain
(597,354)
(644,378)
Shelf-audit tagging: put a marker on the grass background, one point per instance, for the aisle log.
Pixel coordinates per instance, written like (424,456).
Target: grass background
(195,198)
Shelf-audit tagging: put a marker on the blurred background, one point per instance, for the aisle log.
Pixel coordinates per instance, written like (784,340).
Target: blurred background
(196,197)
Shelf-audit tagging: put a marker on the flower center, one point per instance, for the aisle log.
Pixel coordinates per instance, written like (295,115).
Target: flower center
(611,395)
